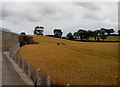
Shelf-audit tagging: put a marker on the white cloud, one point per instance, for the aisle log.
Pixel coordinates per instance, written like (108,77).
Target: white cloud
(60,0)
(69,16)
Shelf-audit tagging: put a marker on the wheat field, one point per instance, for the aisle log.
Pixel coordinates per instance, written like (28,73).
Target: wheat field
(76,63)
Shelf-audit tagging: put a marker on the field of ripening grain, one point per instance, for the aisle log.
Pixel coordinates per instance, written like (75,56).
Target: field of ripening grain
(77,63)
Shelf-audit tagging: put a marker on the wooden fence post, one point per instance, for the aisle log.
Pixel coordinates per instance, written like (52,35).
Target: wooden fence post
(23,65)
(68,85)
(38,78)
(29,71)
(48,81)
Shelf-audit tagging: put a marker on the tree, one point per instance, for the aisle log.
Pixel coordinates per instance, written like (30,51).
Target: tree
(38,30)
(82,34)
(110,31)
(24,39)
(102,31)
(95,34)
(88,34)
(119,32)
(22,33)
(58,33)
(69,36)
(75,35)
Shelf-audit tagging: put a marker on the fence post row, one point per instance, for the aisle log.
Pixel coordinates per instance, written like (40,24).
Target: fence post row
(21,62)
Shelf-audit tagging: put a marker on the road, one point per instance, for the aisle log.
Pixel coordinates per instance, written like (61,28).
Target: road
(9,74)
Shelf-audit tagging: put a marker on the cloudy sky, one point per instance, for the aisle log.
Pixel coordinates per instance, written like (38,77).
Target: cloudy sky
(69,16)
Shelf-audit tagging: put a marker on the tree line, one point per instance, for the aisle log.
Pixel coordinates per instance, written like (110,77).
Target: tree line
(86,34)
(81,34)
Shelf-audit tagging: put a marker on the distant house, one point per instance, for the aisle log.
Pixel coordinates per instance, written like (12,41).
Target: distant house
(39,30)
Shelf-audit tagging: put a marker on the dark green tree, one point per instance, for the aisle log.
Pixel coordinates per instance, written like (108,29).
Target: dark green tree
(58,33)
(88,34)
(95,34)
(109,31)
(82,34)
(69,36)
(75,35)
(38,30)
(102,31)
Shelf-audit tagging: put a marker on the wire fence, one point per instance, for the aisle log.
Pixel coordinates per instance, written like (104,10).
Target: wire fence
(36,75)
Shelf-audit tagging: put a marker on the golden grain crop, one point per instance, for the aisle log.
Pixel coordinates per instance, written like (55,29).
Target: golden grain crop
(76,63)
